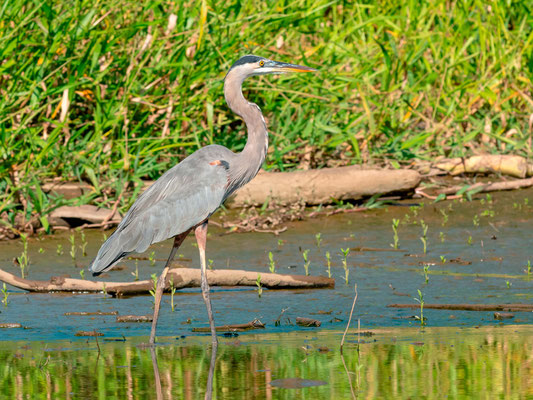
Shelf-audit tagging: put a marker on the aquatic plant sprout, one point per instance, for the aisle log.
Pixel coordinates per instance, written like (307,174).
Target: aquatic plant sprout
(23,260)
(306,261)
(420,300)
(395,225)
(272,263)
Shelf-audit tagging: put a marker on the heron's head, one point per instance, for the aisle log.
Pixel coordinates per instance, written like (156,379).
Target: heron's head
(251,65)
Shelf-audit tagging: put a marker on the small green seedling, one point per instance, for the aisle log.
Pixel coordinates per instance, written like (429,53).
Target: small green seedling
(72,241)
(528,268)
(271,262)
(306,261)
(443,259)
(424,238)
(281,242)
(426,269)
(151,258)
(154,282)
(83,246)
(82,274)
(442,237)
(444,216)
(328,259)
(395,225)
(136,273)
(345,253)
(104,290)
(210,264)
(318,238)
(469,240)
(420,300)
(508,284)
(23,259)
(59,250)
(5,293)
(172,292)
(41,250)
(258,284)
(475,220)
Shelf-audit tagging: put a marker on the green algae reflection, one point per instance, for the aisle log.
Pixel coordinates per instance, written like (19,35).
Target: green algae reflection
(492,362)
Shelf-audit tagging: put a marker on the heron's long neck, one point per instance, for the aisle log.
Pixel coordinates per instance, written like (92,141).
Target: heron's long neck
(249,161)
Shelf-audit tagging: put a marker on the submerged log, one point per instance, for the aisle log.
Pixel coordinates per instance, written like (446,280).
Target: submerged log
(301,321)
(255,324)
(470,307)
(135,318)
(180,278)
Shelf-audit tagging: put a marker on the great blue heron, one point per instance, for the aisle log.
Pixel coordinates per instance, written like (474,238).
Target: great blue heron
(185,196)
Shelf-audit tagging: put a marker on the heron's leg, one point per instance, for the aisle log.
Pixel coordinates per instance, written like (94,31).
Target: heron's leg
(201,238)
(160,287)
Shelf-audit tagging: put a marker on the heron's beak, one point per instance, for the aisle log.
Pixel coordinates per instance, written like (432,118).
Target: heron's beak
(284,67)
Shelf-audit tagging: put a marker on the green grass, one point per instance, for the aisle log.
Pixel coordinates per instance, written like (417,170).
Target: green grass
(103,92)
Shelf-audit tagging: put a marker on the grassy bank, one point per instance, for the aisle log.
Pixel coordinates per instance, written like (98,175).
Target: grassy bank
(112,92)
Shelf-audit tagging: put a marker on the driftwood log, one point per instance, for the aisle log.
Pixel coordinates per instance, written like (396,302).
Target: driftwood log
(180,278)
(323,186)
(470,307)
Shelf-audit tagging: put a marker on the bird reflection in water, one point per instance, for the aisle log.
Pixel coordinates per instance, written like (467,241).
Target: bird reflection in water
(209,384)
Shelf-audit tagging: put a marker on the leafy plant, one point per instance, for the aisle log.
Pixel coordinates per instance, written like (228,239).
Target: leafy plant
(258,284)
(151,258)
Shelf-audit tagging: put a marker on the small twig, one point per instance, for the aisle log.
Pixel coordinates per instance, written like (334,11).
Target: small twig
(349,319)
(342,343)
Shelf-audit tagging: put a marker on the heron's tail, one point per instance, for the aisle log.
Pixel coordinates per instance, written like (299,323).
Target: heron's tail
(108,255)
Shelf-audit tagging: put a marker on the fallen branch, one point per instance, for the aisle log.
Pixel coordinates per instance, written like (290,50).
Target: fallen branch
(255,324)
(491,187)
(470,307)
(181,278)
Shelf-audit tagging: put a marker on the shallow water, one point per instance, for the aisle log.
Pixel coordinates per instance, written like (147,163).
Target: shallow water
(499,249)
(488,363)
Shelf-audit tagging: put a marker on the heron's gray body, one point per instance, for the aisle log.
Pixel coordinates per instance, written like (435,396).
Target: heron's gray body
(184,196)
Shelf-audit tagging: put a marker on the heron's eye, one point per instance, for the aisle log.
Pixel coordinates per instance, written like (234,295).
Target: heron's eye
(261,63)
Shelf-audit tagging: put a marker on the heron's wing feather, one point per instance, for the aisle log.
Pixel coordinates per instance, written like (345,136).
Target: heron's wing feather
(182,198)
